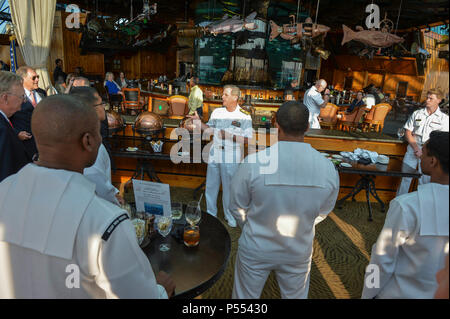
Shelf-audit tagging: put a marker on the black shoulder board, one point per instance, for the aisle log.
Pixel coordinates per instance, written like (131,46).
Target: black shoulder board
(113,226)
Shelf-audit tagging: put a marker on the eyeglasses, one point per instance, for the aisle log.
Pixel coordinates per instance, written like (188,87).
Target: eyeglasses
(35,77)
(24,97)
(100,104)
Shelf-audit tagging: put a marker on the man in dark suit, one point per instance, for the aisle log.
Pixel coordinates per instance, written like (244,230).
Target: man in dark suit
(12,152)
(21,120)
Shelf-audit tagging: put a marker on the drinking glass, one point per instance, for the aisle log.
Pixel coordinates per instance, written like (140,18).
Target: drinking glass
(191,236)
(400,133)
(164,226)
(177,211)
(193,213)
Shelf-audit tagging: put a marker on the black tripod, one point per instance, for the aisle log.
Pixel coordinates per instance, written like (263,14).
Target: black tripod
(366,183)
(143,167)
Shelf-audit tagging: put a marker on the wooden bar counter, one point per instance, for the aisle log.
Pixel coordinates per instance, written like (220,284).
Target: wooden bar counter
(192,175)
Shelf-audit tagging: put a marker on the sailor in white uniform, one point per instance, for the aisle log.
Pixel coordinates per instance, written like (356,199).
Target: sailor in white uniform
(232,128)
(413,243)
(57,238)
(314,102)
(417,131)
(100,172)
(278,211)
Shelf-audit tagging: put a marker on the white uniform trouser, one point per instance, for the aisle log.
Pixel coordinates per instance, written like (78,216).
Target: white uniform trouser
(314,121)
(250,277)
(221,168)
(411,160)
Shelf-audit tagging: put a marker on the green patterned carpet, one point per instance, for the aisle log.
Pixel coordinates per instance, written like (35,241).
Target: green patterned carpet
(342,249)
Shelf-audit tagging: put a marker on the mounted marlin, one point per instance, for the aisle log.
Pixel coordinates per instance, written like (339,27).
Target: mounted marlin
(377,39)
(233,24)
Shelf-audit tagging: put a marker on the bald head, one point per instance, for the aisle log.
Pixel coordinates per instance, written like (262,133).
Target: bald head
(321,85)
(62,119)
(67,133)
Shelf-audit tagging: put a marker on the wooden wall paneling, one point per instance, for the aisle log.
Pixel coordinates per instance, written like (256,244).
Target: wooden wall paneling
(415,84)
(374,78)
(92,63)
(57,45)
(437,70)
(4,55)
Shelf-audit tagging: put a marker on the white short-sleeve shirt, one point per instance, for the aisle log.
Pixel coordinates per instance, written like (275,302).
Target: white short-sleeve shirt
(421,124)
(313,100)
(236,123)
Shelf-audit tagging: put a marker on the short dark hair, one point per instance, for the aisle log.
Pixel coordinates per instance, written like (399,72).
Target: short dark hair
(57,61)
(293,118)
(194,79)
(288,92)
(437,146)
(85,93)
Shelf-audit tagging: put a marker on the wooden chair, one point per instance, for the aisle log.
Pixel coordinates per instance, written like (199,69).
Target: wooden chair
(376,121)
(178,106)
(132,100)
(350,122)
(328,116)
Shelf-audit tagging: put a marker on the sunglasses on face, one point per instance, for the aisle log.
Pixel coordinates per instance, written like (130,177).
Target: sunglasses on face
(35,77)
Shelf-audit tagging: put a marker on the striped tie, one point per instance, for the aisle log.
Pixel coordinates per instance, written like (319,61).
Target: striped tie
(33,99)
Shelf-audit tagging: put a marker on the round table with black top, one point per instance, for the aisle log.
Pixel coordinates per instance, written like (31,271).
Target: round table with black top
(193,269)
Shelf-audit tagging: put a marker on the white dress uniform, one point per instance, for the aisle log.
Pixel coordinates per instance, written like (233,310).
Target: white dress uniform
(59,240)
(277,213)
(313,100)
(100,175)
(412,245)
(421,124)
(224,156)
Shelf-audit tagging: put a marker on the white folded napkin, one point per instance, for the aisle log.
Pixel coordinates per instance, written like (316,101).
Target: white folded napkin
(361,153)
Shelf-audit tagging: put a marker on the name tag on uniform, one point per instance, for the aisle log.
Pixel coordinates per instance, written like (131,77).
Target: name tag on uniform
(418,120)
(236,123)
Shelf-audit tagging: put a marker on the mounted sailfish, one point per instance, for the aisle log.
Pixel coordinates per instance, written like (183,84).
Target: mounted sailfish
(377,39)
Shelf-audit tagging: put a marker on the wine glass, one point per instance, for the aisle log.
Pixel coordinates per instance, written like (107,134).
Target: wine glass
(164,226)
(400,133)
(193,213)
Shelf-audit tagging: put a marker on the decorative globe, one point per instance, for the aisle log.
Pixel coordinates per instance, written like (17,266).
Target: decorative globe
(115,121)
(148,123)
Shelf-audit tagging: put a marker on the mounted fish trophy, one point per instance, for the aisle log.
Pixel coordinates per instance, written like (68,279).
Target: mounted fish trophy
(297,31)
(309,34)
(372,39)
(223,26)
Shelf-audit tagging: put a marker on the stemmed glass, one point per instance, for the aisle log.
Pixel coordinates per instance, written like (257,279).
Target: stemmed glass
(164,226)
(193,213)
(400,133)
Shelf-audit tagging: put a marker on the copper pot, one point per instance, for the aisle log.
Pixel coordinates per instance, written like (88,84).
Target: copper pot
(148,122)
(115,121)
